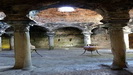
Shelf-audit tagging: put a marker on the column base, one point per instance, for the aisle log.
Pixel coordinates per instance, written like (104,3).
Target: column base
(0,49)
(17,67)
(24,68)
(116,67)
(51,48)
(28,68)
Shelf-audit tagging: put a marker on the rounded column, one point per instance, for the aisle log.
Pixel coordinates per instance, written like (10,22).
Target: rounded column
(11,39)
(118,47)
(22,47)
(87,38)
(11,42)
(127,31)
(51,40)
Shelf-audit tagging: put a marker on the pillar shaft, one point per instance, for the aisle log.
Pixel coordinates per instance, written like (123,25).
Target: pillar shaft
(127,30)
(22,48)
(126,39)
(51,40)
(11,42)
(118,47)
(87,38)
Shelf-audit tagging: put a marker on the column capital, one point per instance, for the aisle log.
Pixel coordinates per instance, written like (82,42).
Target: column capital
(116,27)
(21,28)
(116,22)
(127,30)
(2,15)
(50,33)
(86,33)
(10,33)
(3,27)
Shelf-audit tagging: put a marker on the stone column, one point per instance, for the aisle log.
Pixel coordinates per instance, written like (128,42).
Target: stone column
(127,31)
(87,38)
(11,42)
(118,47)
(126,39)
(22,47)
(51,40)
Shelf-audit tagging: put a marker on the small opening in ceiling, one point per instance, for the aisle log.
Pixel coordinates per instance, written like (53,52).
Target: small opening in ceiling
(66,9)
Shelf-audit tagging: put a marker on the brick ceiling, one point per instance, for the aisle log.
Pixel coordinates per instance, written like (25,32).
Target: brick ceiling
(79,15)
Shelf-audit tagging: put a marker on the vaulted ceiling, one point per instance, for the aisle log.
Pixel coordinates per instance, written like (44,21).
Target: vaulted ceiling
(52,15)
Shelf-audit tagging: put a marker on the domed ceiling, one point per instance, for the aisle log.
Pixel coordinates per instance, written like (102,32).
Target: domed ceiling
(53,15)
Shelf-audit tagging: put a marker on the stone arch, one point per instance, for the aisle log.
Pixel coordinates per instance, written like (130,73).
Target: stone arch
(42,27)
(102,29)
(82,29)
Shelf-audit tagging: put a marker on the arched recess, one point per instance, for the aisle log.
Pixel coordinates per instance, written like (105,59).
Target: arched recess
(68,37)
(38,36)
(100,34)
(8,40)
(5,42)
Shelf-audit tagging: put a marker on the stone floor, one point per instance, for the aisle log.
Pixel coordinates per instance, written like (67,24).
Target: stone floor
(66,62)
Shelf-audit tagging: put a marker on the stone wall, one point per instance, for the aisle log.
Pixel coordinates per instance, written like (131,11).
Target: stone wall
(101,38)
(5,43)
(131,40)
(65,37)
(40,41)
(68,37)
